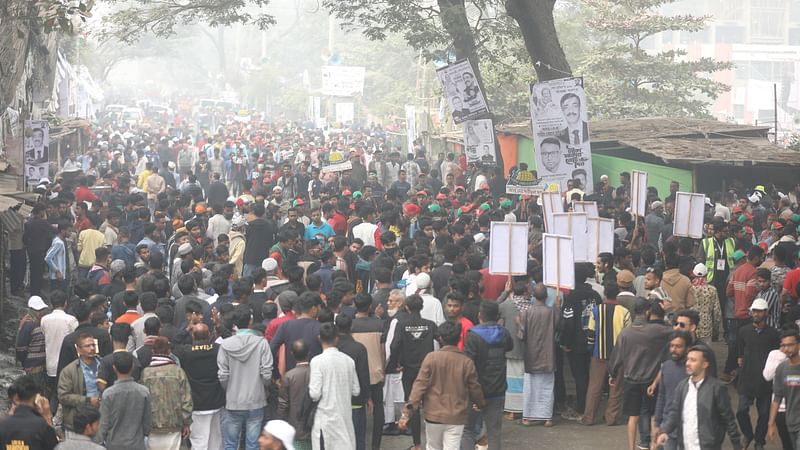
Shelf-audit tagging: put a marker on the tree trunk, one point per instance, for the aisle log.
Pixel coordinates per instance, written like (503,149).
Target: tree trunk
(535,19)
(453,14)
(15,39)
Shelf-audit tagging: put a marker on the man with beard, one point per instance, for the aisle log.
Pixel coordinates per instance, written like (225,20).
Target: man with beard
(673,372)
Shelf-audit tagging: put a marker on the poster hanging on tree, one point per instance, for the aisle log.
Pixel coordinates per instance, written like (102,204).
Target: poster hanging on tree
(562,148)
(479,141)
(36,151)
(460,88)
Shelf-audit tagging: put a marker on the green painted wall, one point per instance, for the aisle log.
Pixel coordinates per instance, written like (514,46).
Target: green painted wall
(658,176)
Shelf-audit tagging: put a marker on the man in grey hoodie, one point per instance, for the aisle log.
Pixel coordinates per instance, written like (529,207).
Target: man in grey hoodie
(240,356)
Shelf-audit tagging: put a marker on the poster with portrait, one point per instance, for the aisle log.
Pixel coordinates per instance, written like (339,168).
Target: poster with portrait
(460,88)
(35,151)
(562,148)
(479,141)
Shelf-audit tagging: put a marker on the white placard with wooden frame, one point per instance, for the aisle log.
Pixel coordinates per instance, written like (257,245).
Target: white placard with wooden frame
(508,248)
(689,212)
(551,204)
(559,263)
(639,193)
(573,224)
(599,237)
(589,208)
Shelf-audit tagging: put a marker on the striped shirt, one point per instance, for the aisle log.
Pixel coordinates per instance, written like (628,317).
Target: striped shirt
(774,310)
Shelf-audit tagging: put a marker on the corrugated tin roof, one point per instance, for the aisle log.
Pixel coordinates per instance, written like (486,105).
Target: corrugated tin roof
(616,130)
(688,141)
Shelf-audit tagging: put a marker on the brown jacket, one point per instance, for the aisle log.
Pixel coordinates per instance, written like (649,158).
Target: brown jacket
(294,386)
(679,289)
(447,385)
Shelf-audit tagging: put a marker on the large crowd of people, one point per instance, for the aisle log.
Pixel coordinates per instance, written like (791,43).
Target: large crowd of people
(241,288)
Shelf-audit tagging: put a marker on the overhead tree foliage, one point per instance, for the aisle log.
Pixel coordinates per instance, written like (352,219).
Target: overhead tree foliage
(133,18)
(626,80)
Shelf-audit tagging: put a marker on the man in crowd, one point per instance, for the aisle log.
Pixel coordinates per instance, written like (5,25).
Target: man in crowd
(242,357)
(447,385)
(332,383)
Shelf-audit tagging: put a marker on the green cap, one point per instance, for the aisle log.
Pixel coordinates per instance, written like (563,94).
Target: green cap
(795,218)
(506,203)
(485,207)
(737,255)
(357,194)
(742,219)
(434,208)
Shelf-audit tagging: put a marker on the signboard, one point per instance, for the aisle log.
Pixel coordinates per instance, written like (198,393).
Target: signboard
(508,248)
(479,141)
(345,112)
(689,212)
(639,193)
(411,127)
(589,208)
(573,224)
(460,88)
(562,148)
(342,81)
(337,162)
(35,152)
(559,264)
(599,237)
(551,204)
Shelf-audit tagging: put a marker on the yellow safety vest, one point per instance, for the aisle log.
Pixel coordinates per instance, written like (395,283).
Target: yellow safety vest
(711,255)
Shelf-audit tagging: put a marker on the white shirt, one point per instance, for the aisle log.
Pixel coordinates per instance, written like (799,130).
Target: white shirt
(691,438)
(56,326)
(432,309)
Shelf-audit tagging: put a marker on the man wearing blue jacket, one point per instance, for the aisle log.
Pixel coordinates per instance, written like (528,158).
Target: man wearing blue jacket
(487,344)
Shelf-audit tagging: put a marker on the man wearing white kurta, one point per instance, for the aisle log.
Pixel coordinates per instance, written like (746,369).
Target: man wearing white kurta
(333,382)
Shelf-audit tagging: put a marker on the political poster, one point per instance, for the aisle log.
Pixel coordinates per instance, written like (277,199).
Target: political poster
(411,127)
(479,141)
(337,162)
(460,88)
(561,132)
(35,151)
(342,81)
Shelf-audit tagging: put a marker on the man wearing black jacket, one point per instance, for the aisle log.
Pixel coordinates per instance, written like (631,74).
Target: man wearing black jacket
(487,344)
(708,397)
(37,236)
(575,312)
(25,428)
(260,238)
(412,341)
(199,361)
(82,311)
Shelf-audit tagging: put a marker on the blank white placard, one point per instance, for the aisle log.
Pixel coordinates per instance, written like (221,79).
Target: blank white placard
(589,208)
(508,248)
(599,237)
(559,264)
(689,212)
(574,225)
(551,204)
(639,193)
